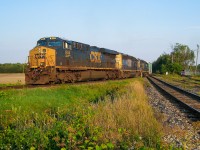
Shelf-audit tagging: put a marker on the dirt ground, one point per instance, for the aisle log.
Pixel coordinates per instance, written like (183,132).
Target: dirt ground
(12,78)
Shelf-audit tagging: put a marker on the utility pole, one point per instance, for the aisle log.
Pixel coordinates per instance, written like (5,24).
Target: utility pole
(197,58)
(172,53)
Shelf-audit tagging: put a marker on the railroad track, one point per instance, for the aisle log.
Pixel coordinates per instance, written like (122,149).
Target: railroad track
(188,101)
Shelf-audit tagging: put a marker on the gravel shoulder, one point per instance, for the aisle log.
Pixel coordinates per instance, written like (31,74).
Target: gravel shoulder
(179,131)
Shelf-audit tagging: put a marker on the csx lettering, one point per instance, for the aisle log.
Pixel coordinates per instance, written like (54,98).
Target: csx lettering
(95,57)
(38,56)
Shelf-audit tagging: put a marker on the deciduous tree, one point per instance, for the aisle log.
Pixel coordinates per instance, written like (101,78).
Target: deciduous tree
(181,58)
(182,55)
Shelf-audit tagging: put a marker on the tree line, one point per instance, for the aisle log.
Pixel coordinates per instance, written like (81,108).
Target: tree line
(181,58)
(12,68)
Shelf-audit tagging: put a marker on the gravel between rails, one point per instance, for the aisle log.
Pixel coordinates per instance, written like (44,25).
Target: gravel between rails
(179,130)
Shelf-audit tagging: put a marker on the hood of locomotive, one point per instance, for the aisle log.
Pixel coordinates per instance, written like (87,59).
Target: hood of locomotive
(41,62)
(42,56)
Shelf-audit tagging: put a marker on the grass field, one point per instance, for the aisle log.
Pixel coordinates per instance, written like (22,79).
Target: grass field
(12,78)
(110,115)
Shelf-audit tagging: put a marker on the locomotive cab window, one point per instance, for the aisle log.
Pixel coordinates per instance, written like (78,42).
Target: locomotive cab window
(42,43)
(55,43)
(66,45)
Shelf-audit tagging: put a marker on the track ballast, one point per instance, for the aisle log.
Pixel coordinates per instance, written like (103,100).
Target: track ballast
(188,101)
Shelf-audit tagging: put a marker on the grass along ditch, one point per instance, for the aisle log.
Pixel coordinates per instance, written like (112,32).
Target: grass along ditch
(111,115)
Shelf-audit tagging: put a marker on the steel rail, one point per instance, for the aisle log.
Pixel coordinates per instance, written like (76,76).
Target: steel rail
(197,97)
(187,99)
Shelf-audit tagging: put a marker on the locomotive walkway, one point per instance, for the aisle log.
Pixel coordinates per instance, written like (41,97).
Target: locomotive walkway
(189,101)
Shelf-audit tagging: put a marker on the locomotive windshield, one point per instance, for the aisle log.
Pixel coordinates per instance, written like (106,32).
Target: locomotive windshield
(55,43)
(50,43)
(42,43)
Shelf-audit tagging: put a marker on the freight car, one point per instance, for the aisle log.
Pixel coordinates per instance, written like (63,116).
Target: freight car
(57,60)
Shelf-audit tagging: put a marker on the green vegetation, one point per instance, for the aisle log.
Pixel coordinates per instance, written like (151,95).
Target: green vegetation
(190,83)
(181,58)
(12,68)
(10,84)
(111,115)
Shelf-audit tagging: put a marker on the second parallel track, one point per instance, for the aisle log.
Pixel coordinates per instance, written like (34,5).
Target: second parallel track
(189,101)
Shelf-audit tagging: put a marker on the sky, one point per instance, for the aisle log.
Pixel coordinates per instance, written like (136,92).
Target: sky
(144,29)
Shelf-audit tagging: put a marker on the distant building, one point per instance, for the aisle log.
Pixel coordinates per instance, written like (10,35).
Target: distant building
(189,72)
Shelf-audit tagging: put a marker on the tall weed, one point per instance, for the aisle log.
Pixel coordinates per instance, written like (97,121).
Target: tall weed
(113,115)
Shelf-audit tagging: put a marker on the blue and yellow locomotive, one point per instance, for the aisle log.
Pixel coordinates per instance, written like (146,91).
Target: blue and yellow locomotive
(57,60)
